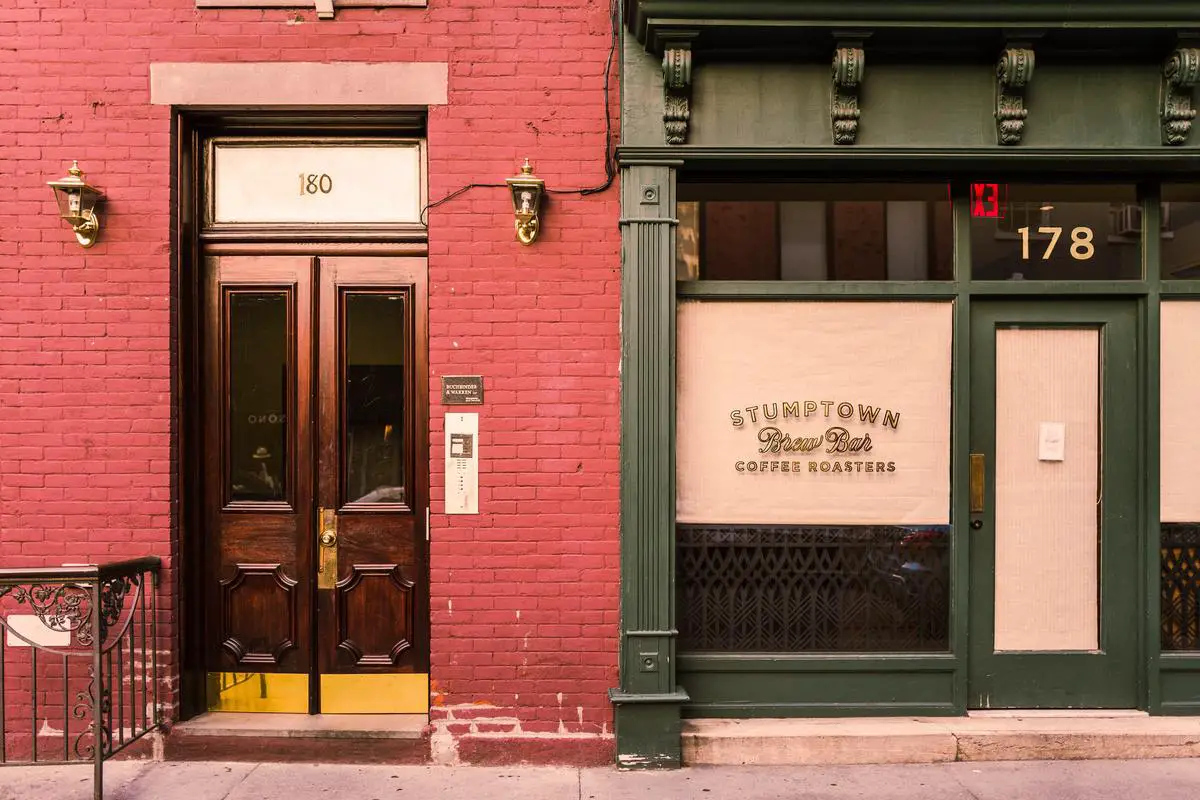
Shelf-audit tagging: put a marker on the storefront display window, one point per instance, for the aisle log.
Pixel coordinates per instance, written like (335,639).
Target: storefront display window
(813,476)
(1180,248)
(814,232)
(849,588)
(1055,232)
(1179,546)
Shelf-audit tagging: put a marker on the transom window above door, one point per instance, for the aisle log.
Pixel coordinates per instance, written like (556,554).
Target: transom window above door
(1180,248)
(306,187)
(1055,232)
(815,232)
(908,232)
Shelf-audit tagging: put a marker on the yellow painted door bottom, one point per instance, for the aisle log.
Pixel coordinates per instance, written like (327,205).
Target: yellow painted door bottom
(287,693)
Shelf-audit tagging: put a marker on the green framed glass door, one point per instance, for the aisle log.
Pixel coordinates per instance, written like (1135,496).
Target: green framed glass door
(1053,496)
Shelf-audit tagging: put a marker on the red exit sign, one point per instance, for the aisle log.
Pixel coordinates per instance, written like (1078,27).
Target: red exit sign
(988,200)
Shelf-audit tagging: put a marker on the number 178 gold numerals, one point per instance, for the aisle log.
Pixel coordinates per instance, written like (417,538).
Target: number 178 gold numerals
(1081,247)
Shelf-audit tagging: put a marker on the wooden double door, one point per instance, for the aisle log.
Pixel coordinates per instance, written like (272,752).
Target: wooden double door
(315,483)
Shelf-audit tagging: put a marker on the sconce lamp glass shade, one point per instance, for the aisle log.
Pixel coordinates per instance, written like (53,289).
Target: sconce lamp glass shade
(527,190)
(77,204)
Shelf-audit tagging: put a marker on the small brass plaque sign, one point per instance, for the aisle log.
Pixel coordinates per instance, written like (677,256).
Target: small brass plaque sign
(462,390)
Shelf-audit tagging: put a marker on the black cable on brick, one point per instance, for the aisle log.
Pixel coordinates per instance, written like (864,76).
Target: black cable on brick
(610,159)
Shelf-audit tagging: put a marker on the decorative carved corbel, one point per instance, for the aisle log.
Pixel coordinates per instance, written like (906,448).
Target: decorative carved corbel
(1013,73)
(1179,75)
(677,90)
(848,64)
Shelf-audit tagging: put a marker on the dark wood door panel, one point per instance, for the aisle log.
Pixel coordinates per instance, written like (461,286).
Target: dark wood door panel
(257,478)
(375,617)
(375,539)
(259,615)
(258,538)
(374,610)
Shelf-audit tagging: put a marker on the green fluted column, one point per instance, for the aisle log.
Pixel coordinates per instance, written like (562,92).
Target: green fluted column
(648,700)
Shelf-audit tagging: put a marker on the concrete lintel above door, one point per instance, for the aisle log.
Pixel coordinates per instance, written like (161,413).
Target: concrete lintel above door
(266,84)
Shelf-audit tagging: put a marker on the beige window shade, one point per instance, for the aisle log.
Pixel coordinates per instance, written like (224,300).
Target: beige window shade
(1047,535)
(1180,386)
(886,364)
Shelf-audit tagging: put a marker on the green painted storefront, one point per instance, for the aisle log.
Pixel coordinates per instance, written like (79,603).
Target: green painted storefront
(767,101)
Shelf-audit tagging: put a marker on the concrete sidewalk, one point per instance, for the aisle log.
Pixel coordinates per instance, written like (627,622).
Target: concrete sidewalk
(1151,779)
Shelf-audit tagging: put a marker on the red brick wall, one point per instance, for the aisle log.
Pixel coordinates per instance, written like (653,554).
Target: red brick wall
(524,595)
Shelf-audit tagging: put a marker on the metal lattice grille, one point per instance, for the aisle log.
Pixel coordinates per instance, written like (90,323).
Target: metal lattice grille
(813,589)
(1180,582)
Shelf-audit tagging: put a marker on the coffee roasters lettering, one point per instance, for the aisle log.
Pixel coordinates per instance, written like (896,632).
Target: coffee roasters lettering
(848,447)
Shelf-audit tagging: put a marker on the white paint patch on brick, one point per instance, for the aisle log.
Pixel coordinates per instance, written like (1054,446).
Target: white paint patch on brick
(31,628)
(444,744)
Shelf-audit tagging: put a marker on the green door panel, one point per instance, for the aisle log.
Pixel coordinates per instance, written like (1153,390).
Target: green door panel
(1107,677)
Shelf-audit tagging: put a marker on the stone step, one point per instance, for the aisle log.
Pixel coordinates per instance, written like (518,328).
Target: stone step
(986,736)
(332,738)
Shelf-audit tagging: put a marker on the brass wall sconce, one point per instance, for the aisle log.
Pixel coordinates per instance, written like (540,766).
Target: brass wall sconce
(527,190)
(77,205)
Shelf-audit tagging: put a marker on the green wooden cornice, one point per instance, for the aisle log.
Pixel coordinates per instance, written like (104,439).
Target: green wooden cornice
(721,20)
(934,162)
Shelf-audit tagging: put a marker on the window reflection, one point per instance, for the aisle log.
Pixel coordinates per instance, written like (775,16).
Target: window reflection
(814,232)
(814,589)
(374,397)
(1180,247)
(1059,233)
(258,395)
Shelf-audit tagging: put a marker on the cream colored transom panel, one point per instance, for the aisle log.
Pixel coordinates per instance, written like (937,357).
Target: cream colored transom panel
(318,183)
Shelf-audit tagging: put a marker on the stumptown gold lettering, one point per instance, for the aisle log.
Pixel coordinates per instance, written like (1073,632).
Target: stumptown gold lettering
(829,409)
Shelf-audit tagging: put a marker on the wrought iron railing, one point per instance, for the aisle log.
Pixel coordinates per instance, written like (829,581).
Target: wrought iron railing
(78,662)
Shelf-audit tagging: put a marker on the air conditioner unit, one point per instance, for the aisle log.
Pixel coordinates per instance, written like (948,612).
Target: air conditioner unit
(1127,220)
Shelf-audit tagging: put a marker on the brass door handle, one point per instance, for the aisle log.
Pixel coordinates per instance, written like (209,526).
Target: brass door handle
(327,553)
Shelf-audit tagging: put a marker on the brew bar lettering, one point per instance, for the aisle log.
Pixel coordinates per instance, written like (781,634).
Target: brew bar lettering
(851,449)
